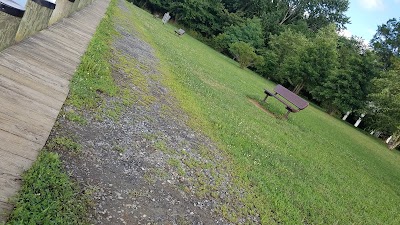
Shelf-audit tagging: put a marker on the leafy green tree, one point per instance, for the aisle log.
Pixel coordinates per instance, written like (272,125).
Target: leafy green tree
(285,58)
(386,41)
(348,88)
(321,13)
(245,54)
(152,5)
(303,62)
(249,31)
(368,69)
(221,43)
(386,101)
(313,64)
(301,26)
(321,60)
(207,16)
(317,13)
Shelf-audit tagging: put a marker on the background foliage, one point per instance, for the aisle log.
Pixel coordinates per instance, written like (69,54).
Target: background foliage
(296,43)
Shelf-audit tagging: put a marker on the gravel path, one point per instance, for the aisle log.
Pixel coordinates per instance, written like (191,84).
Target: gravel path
(146,166)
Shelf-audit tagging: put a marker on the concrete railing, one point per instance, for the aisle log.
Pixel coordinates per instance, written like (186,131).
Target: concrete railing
(21,18)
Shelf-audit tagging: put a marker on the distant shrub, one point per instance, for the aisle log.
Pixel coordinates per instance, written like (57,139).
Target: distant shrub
(245,54)
(221,43)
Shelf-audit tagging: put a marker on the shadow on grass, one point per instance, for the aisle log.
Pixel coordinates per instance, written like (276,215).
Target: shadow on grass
(266,107)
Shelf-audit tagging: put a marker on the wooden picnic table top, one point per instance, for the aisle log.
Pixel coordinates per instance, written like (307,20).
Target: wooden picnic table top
(291,97)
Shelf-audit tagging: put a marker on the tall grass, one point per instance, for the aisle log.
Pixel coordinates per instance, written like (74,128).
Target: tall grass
(310,169)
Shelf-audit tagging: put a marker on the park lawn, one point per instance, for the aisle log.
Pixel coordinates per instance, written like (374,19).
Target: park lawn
(310,169)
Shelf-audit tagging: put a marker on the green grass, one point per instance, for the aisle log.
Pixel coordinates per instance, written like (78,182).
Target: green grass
(93,76)
(311,169)
(162,146)
(64,144)
(48,196)
(75,117)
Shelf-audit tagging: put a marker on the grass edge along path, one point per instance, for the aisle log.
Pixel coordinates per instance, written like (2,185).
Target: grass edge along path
(94,76)
(309,169)
(197,121)
(48,195)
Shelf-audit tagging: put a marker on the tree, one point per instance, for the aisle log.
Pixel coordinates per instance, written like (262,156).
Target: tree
(245,54)
(303,62)
(386,41)
(348,88)
(152,5)
(323,60)
(368,69)
(386,101)
(317,13)
(249,32)
(286,58)
(287,43)
(321,13)
(207,16)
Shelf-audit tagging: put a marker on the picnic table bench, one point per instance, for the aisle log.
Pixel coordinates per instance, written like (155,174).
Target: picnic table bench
(293,102)
(180,32)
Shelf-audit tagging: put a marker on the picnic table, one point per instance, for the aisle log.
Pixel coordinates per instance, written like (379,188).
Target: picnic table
(180,32)
(293,102)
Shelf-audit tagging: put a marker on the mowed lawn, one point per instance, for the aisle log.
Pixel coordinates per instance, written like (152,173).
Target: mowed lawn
(310,169)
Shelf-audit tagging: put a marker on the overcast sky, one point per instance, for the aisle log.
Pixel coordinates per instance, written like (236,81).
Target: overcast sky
(366,15)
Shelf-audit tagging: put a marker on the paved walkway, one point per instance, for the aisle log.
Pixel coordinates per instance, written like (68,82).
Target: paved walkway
(34,83)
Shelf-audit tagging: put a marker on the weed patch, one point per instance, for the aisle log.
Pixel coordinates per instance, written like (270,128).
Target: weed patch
(64,144)
(48,196)
(75,117)
(161,146)
(118,148)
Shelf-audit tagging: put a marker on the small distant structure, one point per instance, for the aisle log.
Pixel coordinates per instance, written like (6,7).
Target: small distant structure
(346,115)
(180,32)
(166,18)
(359,120)
(389,139)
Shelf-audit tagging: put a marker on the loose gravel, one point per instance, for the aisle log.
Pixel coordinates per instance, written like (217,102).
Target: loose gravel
(146,166)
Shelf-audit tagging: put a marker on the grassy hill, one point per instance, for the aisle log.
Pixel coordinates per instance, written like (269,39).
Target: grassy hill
(310,169)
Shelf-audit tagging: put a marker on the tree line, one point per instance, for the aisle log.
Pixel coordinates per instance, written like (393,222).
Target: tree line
(296,43)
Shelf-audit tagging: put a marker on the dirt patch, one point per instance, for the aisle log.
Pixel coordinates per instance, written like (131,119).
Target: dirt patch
(145,165)
(254,102)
